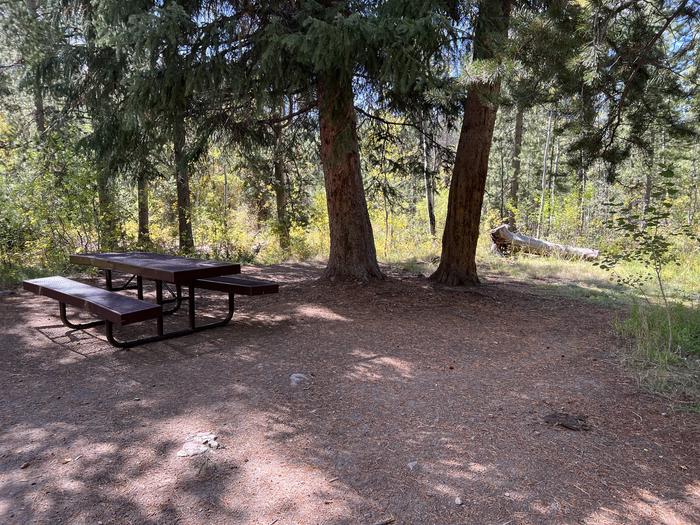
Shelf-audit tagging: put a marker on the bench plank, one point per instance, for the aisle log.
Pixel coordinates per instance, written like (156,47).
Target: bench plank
(238,285)
(109,306)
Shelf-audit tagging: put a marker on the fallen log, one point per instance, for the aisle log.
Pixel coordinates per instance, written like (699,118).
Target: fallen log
(507,241)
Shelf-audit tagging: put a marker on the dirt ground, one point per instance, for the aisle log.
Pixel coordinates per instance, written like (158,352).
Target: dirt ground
(417,395)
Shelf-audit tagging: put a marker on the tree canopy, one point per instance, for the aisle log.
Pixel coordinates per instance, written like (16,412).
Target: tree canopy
(333,128)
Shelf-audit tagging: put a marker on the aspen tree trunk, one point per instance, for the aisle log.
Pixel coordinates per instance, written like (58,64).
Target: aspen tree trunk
(144,237)
(461,234)
(352,252)
(515,164)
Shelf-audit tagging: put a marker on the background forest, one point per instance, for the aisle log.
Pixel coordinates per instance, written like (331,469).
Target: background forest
(199,127)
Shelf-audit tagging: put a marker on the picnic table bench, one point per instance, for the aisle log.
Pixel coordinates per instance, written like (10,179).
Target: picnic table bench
(239,285)
(113,309)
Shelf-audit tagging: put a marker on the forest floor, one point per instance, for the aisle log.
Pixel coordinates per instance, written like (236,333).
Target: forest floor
(422,405)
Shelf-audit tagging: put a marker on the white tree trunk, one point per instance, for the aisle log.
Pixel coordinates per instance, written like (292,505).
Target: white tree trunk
(506,240)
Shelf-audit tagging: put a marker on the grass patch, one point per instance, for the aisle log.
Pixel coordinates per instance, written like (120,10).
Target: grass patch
(675,372)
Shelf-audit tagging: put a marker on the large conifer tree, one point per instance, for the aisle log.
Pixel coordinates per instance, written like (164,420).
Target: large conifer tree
(458,262)
(330,51)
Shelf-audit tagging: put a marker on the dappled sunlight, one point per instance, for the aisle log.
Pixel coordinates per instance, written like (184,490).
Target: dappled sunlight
(545,508)
(319,312)
(692,491)
(240,480)
(478,468)
(386,423)
(643,506)
(370,367)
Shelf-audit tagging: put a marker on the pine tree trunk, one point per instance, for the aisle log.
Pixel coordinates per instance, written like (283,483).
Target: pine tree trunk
(142,197)
(281,202)
(502,204)
(552,188)
(582,201)
(693,195)
(37,88)
(352,251)
(515,164)
(108,224)
(39,113)
(459,240)
(428,179)
(182,183)
(543,186)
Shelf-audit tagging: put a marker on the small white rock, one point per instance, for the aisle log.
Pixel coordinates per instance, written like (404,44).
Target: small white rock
(203,437)
(458,500)
(412,465)
(297,379)
(199,443)
(192,449)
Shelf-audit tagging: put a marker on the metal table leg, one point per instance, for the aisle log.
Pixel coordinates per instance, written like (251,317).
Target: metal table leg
(159,300)
(75,326)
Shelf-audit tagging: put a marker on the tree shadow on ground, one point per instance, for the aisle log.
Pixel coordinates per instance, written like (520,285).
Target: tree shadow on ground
(415,395)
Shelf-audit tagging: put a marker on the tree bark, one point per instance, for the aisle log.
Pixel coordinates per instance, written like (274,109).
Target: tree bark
(553,187)
(582,200)
(37,86)
(39,113)
(352,251)
(428,179)
(515,164)
(142,197)
(281,199)
(459,240)
(108,225)
(693,195)
(543,187)
(182,183)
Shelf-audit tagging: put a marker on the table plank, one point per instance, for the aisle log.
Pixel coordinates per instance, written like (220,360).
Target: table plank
(157,266)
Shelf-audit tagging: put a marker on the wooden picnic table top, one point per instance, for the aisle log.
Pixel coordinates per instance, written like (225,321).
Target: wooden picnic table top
(157,266)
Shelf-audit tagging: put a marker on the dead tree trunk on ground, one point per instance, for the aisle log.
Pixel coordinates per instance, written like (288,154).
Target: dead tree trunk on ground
(507,242)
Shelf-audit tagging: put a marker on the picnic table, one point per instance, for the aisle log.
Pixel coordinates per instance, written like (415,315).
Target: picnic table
(116,309)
